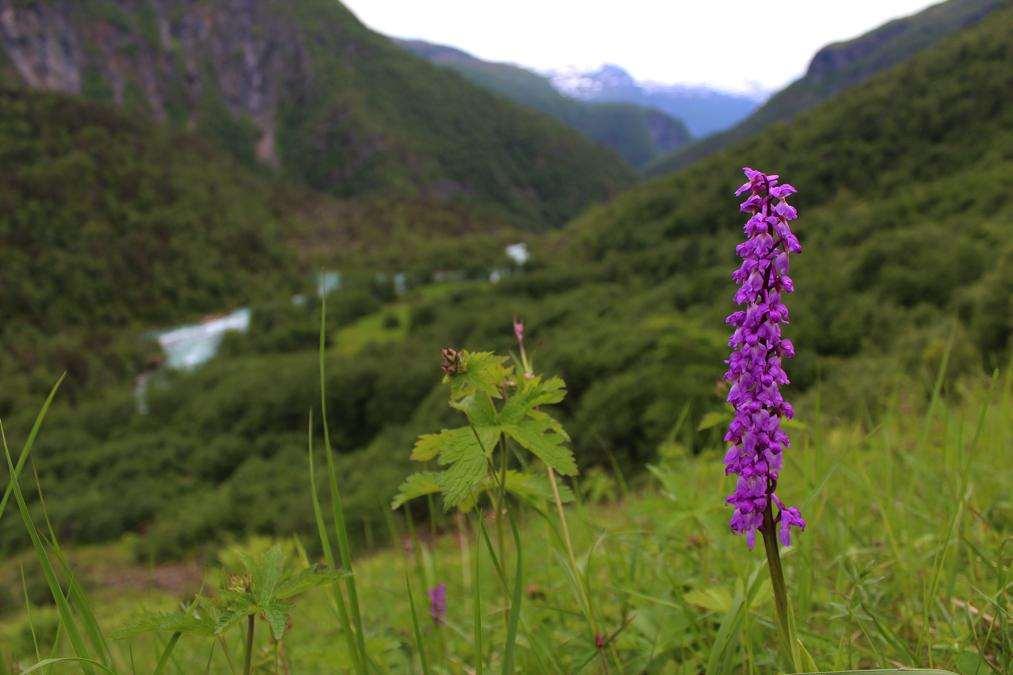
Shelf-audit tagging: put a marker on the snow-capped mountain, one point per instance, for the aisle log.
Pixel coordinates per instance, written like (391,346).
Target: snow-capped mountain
(705,110)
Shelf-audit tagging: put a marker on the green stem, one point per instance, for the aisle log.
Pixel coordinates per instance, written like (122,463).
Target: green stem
(164,658)
(248,653)
(579,578)
(476,590)
(770,545)
(341,530)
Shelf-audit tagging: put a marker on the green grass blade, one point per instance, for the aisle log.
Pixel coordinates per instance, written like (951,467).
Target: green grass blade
(341,530)
(28,614)
(27,448)
(515,602)
(720,657)
(325,543)
(63,607)
(47,663)
(163,660)
(419,642)
(477,601)
(77,595)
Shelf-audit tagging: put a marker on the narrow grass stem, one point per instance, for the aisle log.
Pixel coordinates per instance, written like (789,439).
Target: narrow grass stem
(163,660)
(341,530)
(251,624)
(770,545)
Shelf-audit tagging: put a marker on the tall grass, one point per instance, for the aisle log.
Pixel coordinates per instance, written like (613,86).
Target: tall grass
(905,563)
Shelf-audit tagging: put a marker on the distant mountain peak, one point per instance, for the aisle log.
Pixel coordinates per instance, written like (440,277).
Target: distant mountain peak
(704,109)
(586,84)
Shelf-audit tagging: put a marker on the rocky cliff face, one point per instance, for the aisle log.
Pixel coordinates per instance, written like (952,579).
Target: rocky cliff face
(302,85)
(167,56)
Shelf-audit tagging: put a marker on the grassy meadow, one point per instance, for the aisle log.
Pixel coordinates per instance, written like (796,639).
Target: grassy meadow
(905,562)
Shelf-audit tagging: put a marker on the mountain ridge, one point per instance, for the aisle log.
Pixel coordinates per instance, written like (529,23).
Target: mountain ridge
(703,109)
(637,133)
(841,65)
(306,88)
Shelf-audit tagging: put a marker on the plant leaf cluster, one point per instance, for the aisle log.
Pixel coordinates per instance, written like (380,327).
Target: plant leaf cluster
(502,404)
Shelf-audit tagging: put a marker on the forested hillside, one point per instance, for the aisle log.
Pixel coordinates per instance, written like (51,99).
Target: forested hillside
(904,196)
(839,66)
(637,133)
(304,87)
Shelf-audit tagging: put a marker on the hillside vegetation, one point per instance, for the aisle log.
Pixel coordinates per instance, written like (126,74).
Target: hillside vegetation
(904,201)
(839,66)
(107,223)
(305,87)
(636,133)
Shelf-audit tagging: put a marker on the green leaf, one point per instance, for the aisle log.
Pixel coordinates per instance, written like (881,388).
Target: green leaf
(277,618)
(481,372)
(305,580)
(47,663)
(233,614)
(539,437)
(466,471)
(479,410)
(450,444)
(416,485)
(530,394)
(266,573)
(186,621)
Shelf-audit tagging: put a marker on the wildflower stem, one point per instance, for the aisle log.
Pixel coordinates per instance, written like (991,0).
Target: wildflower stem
(770,545)
(577,576)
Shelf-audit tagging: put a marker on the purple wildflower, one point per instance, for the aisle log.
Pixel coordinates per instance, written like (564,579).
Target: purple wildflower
(438,602)
(756,440)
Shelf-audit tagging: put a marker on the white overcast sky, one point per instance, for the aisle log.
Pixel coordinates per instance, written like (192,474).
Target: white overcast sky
(731,44)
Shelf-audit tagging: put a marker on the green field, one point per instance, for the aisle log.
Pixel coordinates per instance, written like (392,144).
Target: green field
(905,562)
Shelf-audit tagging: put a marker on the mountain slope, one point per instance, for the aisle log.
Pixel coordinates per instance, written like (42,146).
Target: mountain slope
(842,65)
(904,195)
(638,134)
(904,189)
(304,86)
(704,110)
(107,222)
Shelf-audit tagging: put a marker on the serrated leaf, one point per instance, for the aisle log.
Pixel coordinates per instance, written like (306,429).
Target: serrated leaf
(452,443)
(537,437)
(530,394)
(277,618)
(466,471)
(713,419)
(167,622)
(547,421)
(305,580)
(266,575)
(481,372)
(416,485)
(479,410)
(233,615)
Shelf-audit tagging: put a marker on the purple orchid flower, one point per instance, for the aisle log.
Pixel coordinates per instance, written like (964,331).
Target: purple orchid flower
(755,373)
